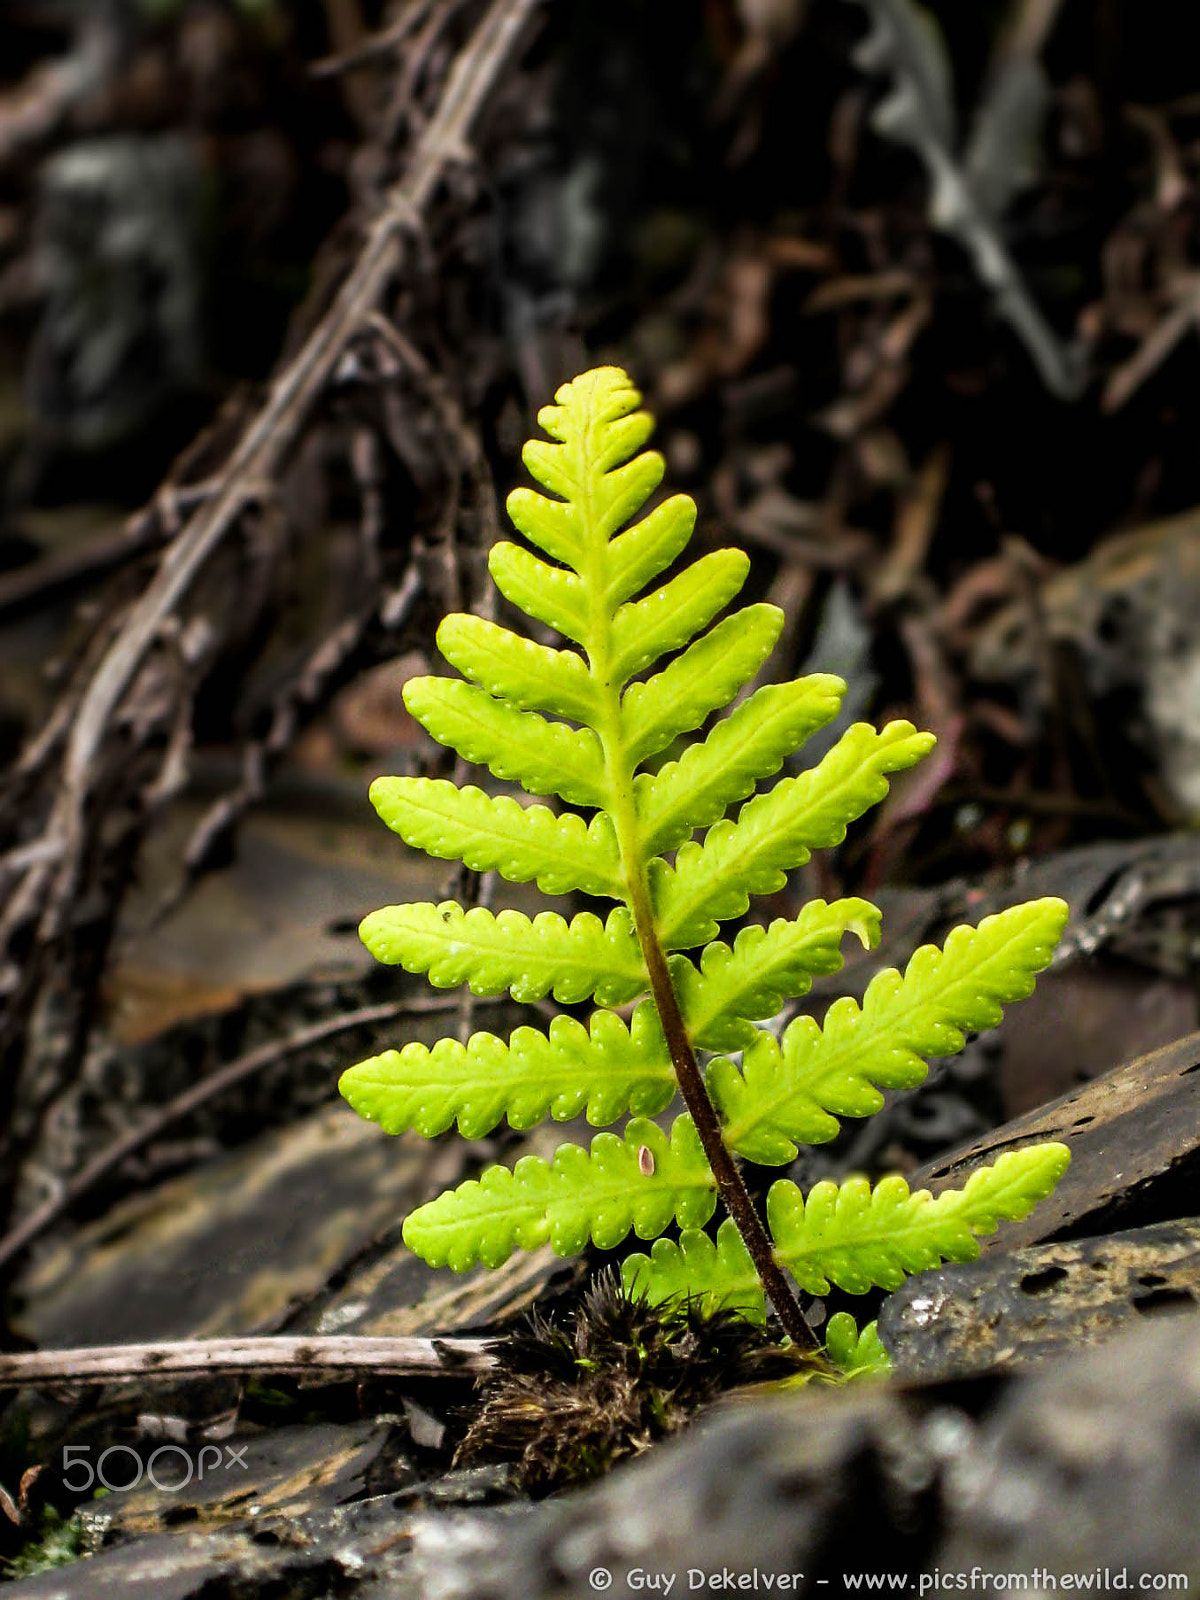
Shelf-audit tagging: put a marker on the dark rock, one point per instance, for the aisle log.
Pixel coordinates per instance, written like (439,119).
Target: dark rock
(1134,1137)
(1088,1464)
(199,1565)
(781,1486)
(226,1249)
(268,1478)
(1091,1464)
(1003,1312)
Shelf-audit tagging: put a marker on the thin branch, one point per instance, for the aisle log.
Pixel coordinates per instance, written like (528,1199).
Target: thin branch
(1026,32)
(38,910)
(39,582)
(33,110)
(919,112)
(336,1355)
(384,43)
(266,442)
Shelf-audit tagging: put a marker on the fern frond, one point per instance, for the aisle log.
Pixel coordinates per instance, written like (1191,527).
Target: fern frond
(784,1095)
(707,675)
(491,953)
(530,676)
(496,833)
(572,722)
(777,831)
(751,743)
(519,746)
(715,1277)
(642,1181)
(597,430)
(795,1119)
(596,424)
(553,525)
(601,1071)
(861,1237)
(643,630)
(851,1235)
(562,528)
(765,967)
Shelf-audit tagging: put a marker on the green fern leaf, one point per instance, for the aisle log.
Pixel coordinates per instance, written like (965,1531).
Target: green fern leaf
(530,676)
(715,1277)
(601,1071)
(766,967)
(507,951)
(519,746)
(555,525)
(647,548)
(777,831)
(588,467)
(547,593)
(496,833)
(861,1237)
(644,630)
(708,674)
(795,1118)
(854,1353)
(851,1235)
(784,1095)
(597,428)
(642,1181)
(750,744)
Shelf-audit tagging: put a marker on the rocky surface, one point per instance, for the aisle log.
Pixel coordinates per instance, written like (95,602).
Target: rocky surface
(1089,1463)
(1134,1137)
(1005,1312)
(335,1505)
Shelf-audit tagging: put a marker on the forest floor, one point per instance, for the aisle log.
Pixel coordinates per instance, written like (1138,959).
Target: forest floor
(914,296)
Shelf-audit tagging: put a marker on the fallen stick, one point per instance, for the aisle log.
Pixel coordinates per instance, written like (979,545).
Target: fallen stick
(50,883)
(49,888)
(335,1355)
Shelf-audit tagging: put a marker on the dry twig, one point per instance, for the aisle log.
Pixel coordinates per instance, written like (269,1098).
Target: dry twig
(335,1355)
(265,443)
(968,190)
(51,874)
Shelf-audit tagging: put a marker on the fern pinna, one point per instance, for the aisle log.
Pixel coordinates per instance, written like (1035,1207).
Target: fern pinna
(587,725)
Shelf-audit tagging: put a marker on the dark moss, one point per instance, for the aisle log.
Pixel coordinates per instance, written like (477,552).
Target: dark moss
(575,1394)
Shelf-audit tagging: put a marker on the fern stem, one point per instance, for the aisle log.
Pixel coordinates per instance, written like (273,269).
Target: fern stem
(730,1184)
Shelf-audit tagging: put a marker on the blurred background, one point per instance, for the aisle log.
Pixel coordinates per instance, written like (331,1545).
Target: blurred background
(914,294)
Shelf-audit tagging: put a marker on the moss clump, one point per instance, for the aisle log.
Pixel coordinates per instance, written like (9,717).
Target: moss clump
(570,1399)
(60,1540)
